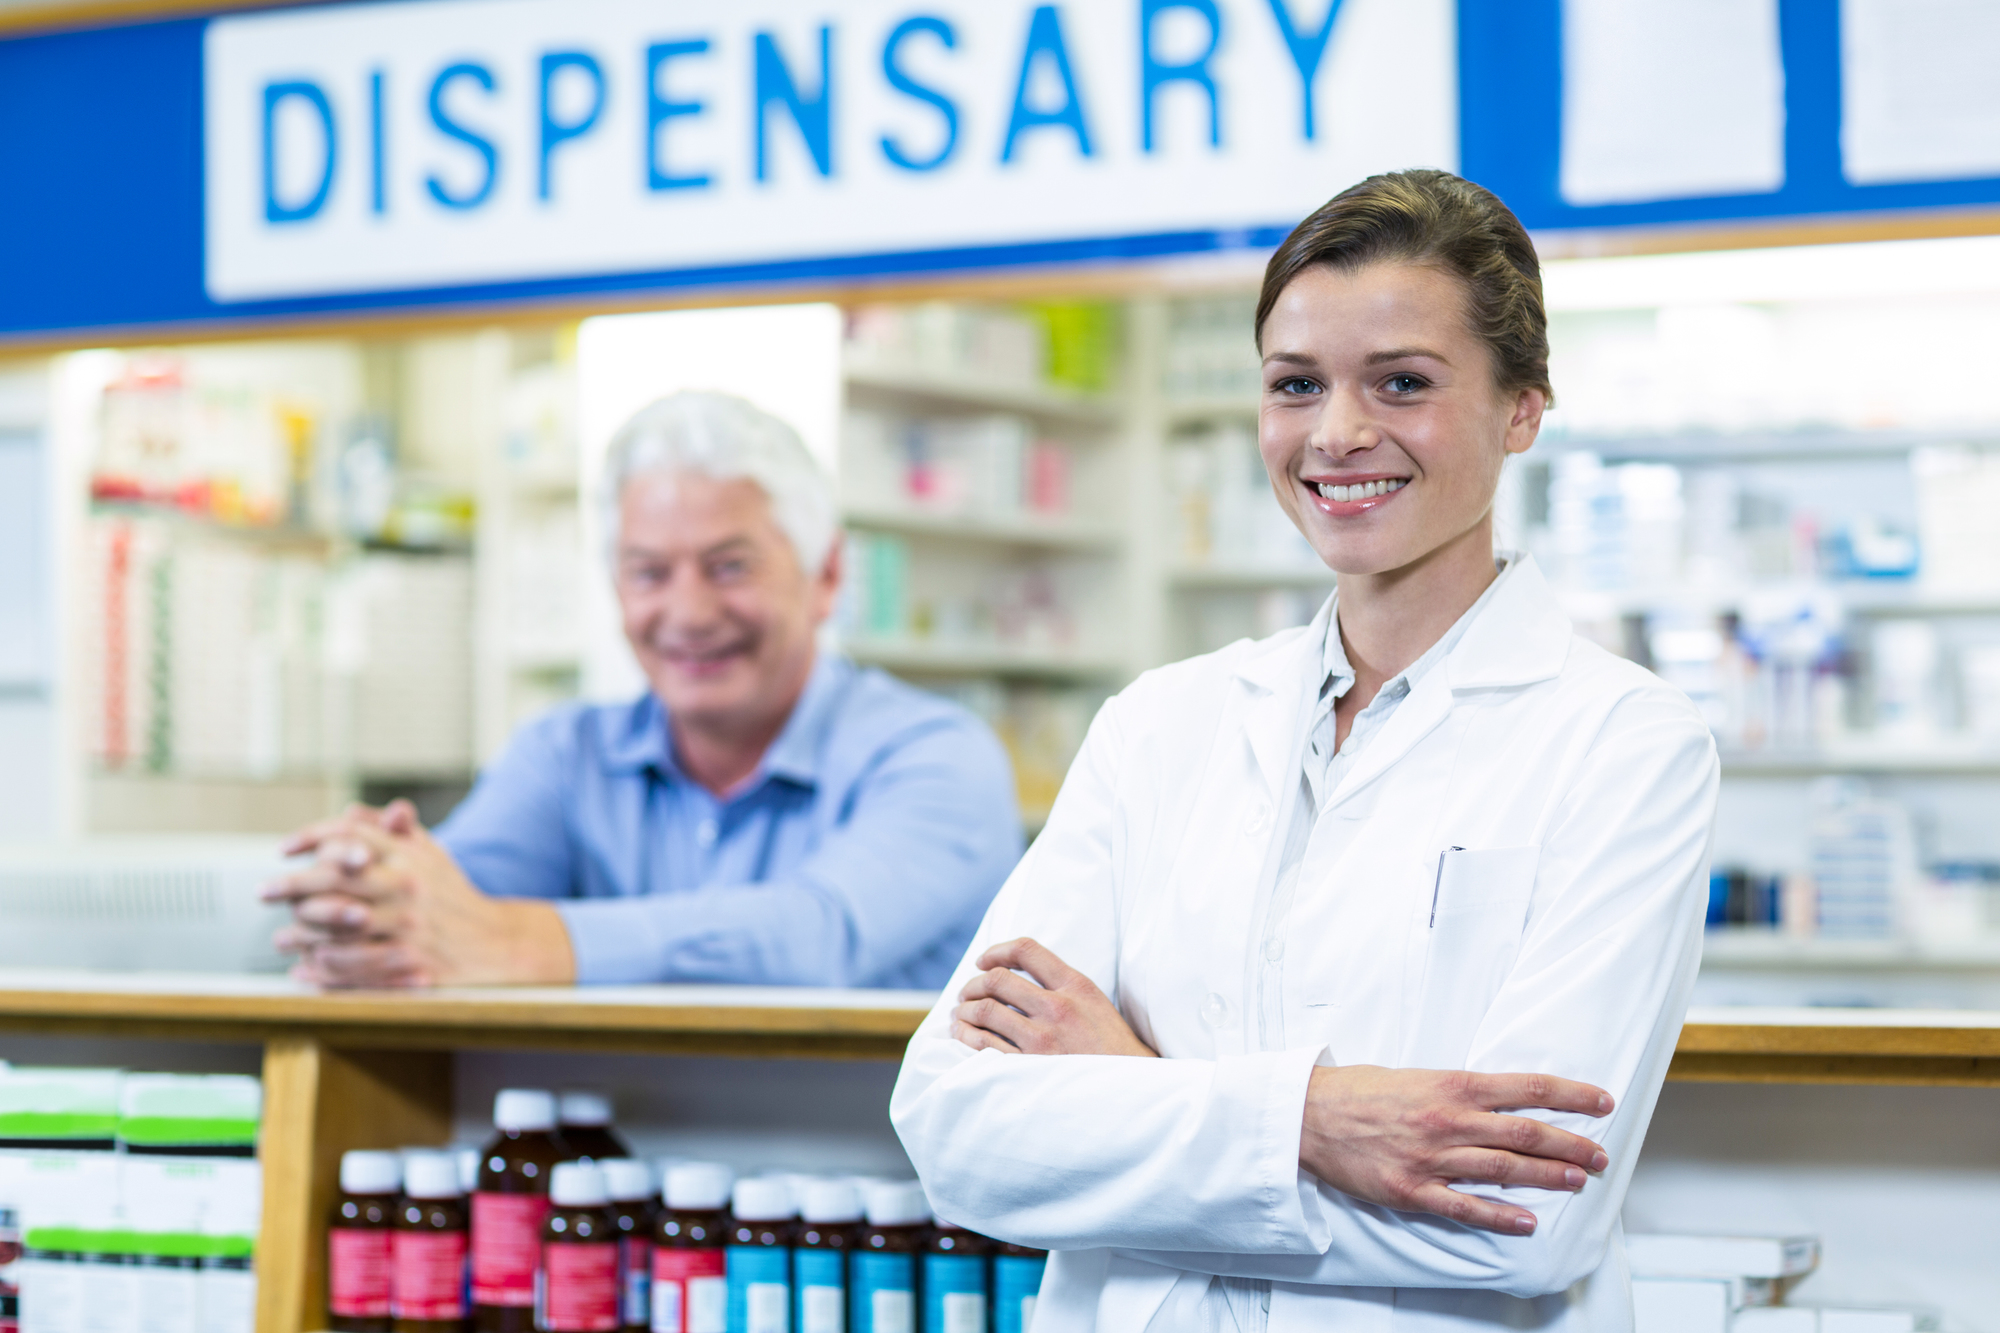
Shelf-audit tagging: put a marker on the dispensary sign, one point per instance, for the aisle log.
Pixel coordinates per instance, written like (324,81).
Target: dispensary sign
(377,147)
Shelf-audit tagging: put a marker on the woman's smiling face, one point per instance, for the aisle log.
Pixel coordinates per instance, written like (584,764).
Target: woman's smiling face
(1381,425)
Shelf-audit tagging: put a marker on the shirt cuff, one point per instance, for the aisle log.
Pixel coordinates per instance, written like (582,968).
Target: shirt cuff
(615,941)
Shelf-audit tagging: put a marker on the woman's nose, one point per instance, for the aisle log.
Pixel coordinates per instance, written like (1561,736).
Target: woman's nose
(1344,426)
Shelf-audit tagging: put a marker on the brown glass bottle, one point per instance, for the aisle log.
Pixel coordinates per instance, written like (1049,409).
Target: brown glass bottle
(883,1271)
(509,1208)
(829,1225)
(955,1280)
(689,1266)
(1017,1281)
(577,1289)
(359,1235)
(630,1187)
(433,1234)
(584,1125)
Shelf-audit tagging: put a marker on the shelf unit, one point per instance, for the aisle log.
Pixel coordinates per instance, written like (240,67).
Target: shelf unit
(346,1071)
(927,657)
(1023,530)
(870,380)
(1806,445)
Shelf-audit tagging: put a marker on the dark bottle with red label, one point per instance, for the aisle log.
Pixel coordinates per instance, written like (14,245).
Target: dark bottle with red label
(584,1122)
(690,1267)
(432,1237)
(509,1208)
(629,1183)
(359,1240)
(576,1290)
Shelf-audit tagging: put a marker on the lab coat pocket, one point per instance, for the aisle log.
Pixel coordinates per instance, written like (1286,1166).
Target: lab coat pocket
(1479,908)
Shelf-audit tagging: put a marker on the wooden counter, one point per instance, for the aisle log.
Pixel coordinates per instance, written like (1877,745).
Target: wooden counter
(373,1070)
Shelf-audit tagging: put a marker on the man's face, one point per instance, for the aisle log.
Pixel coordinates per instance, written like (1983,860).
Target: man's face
(716,606)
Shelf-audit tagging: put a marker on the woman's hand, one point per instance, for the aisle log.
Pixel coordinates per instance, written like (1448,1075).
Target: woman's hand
(1397,1137)
(1065,1014)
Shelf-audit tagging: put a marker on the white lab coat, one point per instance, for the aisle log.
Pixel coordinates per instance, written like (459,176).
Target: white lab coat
(1566,938)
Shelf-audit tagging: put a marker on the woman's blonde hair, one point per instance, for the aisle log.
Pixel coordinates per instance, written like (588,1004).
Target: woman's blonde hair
(1433,217)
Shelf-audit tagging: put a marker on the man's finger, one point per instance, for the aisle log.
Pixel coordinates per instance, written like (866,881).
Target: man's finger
(1027,955)
(308,838)
(1010,988)
(998,1019)
(979,1039)
(361,965)
(1472,1210)
(1532,1138)
(1501,1167)
(344,914)
(374,884)
(1513,1092)
(400,818)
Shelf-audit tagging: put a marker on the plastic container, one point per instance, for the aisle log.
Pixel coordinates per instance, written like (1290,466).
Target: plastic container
(759,1257)
(829,1226)
(629,1184)
(882,1277)
(509,1209)
(576,1287)
(690,1267)
(1017,1281)
(432,1243)
(584,1121)
(956,1290)
(360,1257)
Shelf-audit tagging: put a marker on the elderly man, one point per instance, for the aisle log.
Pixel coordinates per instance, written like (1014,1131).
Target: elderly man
(764,813)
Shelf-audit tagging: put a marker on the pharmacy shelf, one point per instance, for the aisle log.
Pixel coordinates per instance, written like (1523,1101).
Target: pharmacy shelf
(1201,411)
(1748,949)
(1862,597)
(959,392)
(917,657)
(1759,447)
(1062,534)
(1960,761)
(1203,577)
(281,536)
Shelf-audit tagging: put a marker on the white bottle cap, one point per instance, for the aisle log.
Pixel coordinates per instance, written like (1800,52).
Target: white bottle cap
(468,1169)
(901,1204)
(577,1185)
(370,1173)
(627,1181)
(524,1110)
(431,1175)
(761,1199)
(586,1109)
(831,1201)
(697,1187)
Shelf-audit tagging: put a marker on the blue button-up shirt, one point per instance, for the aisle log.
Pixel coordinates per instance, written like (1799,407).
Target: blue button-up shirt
(862,852)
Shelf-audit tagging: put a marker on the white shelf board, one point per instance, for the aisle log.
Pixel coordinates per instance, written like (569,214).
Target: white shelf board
(961,392)
(1740,949)
(920,657)
(1805,445)
(1201,410)
(993,529)
(1250,576)
(1875,597)
(1865,757)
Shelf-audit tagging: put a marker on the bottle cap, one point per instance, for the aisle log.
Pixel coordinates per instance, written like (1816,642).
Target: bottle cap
(524,1110)
(590,1110)
(625,1180)
(761,1199)
(830,1201)
(577,1185)
(468,1169)
(431,1175)
(900,1204)
(370,1173)
(697,1187)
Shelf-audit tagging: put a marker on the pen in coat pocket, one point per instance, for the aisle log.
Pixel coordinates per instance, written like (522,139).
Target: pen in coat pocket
(1438,882)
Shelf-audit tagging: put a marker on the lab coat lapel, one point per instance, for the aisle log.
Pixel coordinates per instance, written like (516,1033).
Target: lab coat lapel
(1278,682)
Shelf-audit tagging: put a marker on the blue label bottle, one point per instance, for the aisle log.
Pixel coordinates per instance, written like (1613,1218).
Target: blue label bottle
(1017,1279)
(758,1258)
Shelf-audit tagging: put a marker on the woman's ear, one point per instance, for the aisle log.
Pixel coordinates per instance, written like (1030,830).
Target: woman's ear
(1526,423)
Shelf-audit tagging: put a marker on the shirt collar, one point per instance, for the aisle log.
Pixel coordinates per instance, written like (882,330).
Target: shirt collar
(641,740)
(1337,673)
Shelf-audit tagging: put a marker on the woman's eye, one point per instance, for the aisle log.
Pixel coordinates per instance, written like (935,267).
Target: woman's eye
(1404,384)
(1297,384)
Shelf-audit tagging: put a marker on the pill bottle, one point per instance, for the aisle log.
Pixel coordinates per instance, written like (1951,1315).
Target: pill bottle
(829,1225)
(629,1184)
(1017,1281)
(584,1122)
(509,1208)
(432,1236)
(759,1256)
(690,1275)
(576,1284)
(882,1276)
(359,1257)
(954,1280)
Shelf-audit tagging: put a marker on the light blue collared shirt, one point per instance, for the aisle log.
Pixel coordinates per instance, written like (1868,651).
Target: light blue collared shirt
(862,852)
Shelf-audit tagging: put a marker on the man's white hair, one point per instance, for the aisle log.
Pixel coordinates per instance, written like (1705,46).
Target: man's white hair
(724,437)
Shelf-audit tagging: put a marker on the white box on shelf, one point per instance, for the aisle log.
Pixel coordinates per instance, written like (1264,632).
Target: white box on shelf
(1776,1319)
(1875,1321)
(1682,1305)
(1655,1255)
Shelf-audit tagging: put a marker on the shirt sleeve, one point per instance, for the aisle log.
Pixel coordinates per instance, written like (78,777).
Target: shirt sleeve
(929,834)
(510,835)
(1193,1164)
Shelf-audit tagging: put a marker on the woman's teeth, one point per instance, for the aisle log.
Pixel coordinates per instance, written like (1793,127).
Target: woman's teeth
(1366,490)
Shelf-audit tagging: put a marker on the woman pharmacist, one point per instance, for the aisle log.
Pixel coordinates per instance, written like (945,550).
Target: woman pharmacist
(1432,831)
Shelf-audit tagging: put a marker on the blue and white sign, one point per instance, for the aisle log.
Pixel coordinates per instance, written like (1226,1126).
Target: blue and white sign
(418,145)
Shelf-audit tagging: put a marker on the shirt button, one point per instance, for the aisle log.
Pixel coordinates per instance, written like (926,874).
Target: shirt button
(705,832)
(1215,1011)
(1273,950)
